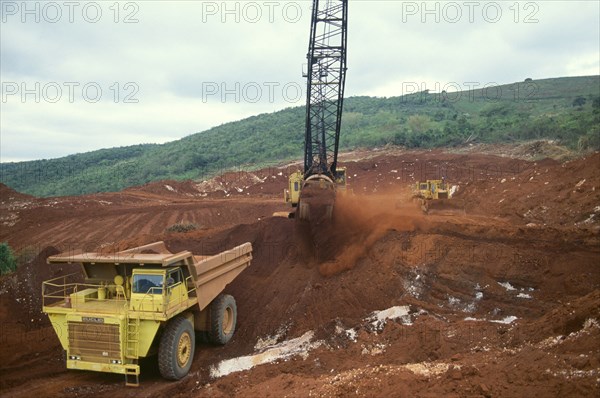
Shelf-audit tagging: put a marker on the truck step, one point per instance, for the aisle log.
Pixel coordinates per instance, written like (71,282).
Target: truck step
(132,375)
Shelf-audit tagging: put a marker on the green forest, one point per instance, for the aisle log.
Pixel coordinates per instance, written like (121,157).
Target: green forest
(564,109)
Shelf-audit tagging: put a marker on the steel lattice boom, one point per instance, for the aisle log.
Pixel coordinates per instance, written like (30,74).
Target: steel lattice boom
(326,77)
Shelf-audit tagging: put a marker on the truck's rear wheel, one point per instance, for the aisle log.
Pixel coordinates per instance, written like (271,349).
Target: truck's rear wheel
(223,318)
(176,349)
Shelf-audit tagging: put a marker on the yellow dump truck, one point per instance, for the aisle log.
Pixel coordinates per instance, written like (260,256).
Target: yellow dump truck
(141,302)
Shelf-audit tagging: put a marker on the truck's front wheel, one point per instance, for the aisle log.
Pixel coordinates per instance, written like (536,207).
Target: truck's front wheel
(223,319)
(176,348)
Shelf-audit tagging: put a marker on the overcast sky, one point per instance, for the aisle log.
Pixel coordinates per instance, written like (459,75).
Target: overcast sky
(79,76)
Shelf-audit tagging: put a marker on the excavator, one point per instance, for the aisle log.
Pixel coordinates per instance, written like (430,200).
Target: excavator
(314,187)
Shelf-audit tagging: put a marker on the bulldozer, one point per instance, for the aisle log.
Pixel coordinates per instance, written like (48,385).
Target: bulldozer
(435,196)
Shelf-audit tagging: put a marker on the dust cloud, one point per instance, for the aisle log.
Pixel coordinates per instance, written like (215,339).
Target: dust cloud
(359,221)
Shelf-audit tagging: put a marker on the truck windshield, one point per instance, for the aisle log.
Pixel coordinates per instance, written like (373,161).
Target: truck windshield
(145,283)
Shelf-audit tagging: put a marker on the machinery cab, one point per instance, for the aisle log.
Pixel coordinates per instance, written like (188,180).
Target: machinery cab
(157,289)
(292,193)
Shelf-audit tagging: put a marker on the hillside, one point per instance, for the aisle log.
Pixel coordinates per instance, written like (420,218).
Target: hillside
(564,109)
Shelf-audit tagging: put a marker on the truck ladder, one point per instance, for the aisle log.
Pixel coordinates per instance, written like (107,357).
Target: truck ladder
(132,345)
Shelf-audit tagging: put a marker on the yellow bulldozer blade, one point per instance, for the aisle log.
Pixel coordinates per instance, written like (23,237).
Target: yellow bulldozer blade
(284,214)
(444,206)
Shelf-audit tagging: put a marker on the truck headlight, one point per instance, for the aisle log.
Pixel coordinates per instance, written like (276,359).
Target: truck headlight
(74,357)
(116,361)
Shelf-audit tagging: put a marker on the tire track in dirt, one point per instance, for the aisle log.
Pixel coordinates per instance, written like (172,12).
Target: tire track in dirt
(191,216)
(121,223)
(169,217)
(142,222)
(58,227)
(54,235)
(121,228)
(199,219)
(178,217)
(86,230)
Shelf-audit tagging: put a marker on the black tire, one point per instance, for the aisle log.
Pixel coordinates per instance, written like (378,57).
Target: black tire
(223,319)
(176,348)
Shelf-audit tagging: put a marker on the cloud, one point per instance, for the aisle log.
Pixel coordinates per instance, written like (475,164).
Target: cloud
(171,56)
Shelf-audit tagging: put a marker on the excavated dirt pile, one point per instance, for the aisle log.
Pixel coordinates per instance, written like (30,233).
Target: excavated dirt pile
(379,301)
(545,193)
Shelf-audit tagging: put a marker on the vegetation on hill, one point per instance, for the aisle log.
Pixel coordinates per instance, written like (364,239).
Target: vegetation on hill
(8,262)
(564,109)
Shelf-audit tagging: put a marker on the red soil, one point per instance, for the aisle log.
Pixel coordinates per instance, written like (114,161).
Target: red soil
(524,249)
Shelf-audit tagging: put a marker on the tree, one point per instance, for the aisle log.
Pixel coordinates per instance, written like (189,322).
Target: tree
(8,263)
(418,123)
(579,101)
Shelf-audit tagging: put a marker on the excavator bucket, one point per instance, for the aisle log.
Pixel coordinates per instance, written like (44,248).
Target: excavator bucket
(318,198)
(314,211)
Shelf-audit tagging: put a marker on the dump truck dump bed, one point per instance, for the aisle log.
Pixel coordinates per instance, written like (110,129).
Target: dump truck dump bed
(209,274)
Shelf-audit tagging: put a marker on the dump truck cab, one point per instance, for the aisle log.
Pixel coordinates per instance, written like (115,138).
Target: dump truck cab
(135,303)
(158,290)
